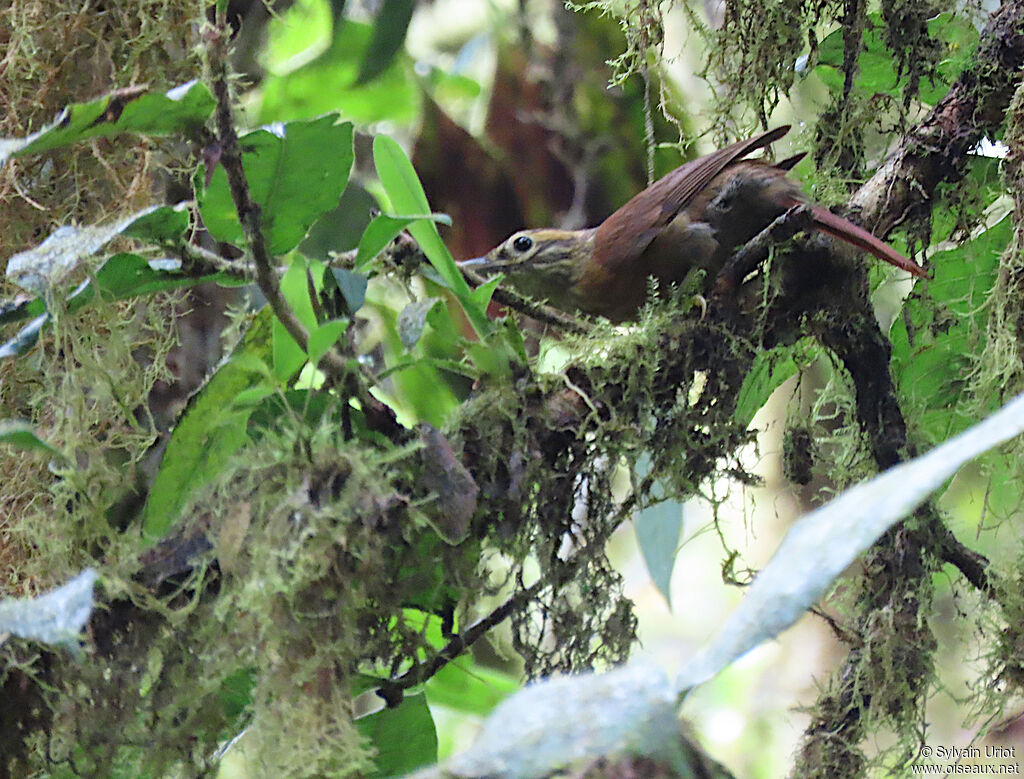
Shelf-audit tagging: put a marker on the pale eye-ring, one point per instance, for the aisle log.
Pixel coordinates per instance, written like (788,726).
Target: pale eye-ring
(522,243)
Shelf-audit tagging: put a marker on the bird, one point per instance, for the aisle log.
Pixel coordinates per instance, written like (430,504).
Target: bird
(694,217)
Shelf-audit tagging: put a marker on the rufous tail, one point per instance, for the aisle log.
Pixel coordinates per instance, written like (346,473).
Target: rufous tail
(845,230)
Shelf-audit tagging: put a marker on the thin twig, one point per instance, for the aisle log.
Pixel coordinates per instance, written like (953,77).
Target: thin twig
(201,261)
(746,258)
(391,690)
(538,311)
(249,212)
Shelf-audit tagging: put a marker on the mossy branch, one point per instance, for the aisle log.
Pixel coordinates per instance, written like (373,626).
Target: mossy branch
(936,149)
(896,582)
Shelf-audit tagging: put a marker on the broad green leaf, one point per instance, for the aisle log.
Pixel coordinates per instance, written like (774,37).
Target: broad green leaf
(288,356)
(296,173)
(767,373)
(1003,487)
(209,432)
(326,84)
(352,287)
(382,230)
(466,686)
(961,38)
(341,228)
(162,225)
(181,110)
(389,29)
(128,275)
(323,337)
(658,529)
(404,737)
(420,391)
(482,295)
(876,68)
(942,327)
(406,194)
(23,436)
(301,30)
(426,624)
(236,692)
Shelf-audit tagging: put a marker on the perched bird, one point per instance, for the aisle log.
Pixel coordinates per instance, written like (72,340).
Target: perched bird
(692,218)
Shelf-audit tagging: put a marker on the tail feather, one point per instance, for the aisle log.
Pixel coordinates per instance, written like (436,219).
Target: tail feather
(845,230)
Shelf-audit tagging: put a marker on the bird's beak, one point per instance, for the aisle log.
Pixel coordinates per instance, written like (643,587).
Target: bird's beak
(485,264)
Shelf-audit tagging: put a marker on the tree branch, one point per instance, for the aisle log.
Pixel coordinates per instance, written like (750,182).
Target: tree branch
(936,150)
(538,311)
(249,212)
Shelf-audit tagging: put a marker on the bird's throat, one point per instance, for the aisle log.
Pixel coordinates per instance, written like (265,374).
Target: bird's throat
(551,280)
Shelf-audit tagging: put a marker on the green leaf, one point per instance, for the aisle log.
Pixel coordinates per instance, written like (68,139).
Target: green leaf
(383,229)
(658,529)
(876,68)
(769,370)
(296,34)
(236,692)
(323,337)
(209,432)
(482,295)
(163,225)
(327,84)
(466,686)
(942,328)
(288,356)
(406,194)
(23,436)
(419,390)
(352,287)
(128,275)
(389,29)
(178,111)
(404,737)
(296,173)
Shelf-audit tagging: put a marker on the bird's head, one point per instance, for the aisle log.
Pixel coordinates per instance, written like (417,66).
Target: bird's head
(545,264)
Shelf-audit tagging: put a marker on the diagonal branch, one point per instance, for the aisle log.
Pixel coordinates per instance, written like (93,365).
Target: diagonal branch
(249,212)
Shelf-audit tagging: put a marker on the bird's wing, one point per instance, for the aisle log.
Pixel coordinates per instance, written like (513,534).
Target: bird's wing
(625,234)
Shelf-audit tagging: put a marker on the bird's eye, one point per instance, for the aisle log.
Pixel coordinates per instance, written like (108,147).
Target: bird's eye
(522,244)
